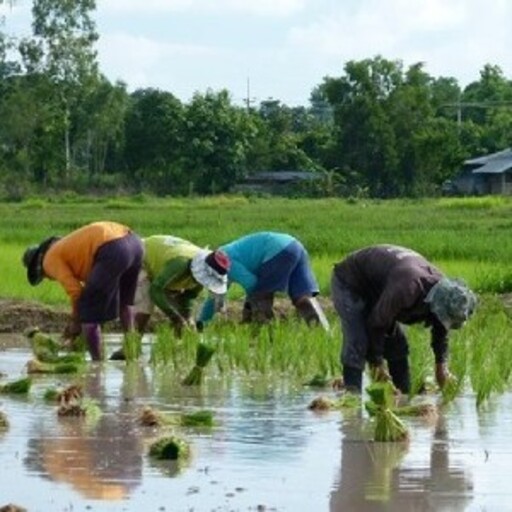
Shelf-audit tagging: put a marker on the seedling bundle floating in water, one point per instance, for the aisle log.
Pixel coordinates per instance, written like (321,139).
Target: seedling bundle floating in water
(17,387)
(170,448)
(151,418)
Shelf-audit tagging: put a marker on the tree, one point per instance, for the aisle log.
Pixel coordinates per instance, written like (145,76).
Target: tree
(154,139)
(218,136)
(63,50)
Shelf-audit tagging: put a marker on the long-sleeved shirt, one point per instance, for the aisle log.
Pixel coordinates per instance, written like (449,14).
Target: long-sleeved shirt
(70,259)
(167,261)
(247,254)
(393,282)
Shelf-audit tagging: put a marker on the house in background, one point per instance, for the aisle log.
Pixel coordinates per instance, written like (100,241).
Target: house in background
(489,174)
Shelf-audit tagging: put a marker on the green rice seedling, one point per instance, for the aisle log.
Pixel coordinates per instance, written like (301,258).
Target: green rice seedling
(319,381)
(132,346)
(17,387)
(162,346)
(345,401)
(458,364)
(197,419)
(204,353)
(424,410)
(44,347)
(51,395)
(388,426)
(170,448)
(420,359)
(35,366)
(489,350)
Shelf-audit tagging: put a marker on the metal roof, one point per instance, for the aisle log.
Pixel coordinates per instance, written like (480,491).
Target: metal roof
(495,163)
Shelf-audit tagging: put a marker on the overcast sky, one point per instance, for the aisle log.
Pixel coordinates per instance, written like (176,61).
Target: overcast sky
(284,48)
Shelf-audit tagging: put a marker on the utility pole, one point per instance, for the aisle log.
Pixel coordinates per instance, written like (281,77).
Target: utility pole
(248,97)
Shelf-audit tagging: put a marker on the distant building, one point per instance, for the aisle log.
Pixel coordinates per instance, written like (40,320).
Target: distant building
(277,182)
(488,174)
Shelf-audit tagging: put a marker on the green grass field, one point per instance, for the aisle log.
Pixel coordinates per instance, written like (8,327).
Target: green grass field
(466,237)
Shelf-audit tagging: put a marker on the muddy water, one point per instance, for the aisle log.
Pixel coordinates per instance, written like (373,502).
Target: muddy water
(268,451)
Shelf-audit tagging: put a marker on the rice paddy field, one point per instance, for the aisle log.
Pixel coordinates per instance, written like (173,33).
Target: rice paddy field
(266,449)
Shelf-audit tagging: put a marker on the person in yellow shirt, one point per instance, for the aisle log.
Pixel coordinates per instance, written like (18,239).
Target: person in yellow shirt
(98,266)
(174,273)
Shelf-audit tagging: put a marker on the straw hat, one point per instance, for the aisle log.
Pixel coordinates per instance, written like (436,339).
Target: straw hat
(210,269)
(33,260)
(452,302)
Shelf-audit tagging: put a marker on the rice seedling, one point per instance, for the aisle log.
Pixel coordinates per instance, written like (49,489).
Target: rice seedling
(388,426)
(132,346)
(170,448)
(17,387)
(204,353)
(153,418)
(34,366)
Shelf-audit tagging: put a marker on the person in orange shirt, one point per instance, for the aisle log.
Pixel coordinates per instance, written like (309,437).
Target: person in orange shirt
(98,266)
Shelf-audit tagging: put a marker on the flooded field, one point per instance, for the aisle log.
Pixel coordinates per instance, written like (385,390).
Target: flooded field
(268,452)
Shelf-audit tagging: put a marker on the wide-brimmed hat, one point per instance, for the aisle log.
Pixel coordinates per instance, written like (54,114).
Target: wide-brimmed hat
(452,302)
(210,269)
(33,260)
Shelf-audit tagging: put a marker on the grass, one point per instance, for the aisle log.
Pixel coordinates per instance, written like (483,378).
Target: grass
(464,237)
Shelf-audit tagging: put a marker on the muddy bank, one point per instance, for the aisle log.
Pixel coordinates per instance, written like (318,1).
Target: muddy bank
(16,315)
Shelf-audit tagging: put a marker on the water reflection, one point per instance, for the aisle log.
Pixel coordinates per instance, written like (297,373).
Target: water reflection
(101,460)
(380,476)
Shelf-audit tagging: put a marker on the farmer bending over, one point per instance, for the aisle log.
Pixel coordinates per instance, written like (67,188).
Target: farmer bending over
(98,266)
(173,275)
(265,263)
(377,288)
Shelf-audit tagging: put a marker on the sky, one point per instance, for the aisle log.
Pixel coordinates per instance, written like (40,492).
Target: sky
(283,49)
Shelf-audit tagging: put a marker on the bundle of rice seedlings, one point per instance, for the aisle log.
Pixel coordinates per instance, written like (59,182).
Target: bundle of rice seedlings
(36,366)
(17,387)
(44,347)
(345,401)
(423,410)
(197,419)
(388,426)
(204,353)
(73,403)
(151,418)
(170,448)
(321,403)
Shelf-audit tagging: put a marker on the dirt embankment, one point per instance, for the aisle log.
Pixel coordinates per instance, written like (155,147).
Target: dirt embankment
(16,315)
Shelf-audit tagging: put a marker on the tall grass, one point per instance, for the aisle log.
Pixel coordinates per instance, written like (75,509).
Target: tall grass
(464,237)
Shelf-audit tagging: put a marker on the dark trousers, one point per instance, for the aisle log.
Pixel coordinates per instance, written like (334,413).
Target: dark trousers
(353,311)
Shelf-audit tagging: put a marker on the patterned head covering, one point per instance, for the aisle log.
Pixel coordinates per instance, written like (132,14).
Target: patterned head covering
(452,302)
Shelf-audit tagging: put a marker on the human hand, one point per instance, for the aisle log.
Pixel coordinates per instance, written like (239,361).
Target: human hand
(443,375)
(72,330)
(379,373)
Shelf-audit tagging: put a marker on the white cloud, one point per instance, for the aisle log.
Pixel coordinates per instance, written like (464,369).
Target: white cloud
(257,7)
(453,38)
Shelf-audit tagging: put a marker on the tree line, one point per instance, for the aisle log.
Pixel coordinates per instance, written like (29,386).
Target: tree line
(378,129)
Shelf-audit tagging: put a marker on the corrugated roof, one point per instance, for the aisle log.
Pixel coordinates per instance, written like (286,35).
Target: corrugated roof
(496,167)
(495,163)
(506,154)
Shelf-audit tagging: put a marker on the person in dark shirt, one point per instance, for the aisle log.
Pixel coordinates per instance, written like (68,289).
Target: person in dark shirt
(376,289)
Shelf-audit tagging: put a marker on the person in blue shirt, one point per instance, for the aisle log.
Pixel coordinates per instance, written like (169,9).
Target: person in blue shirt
(262,264)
